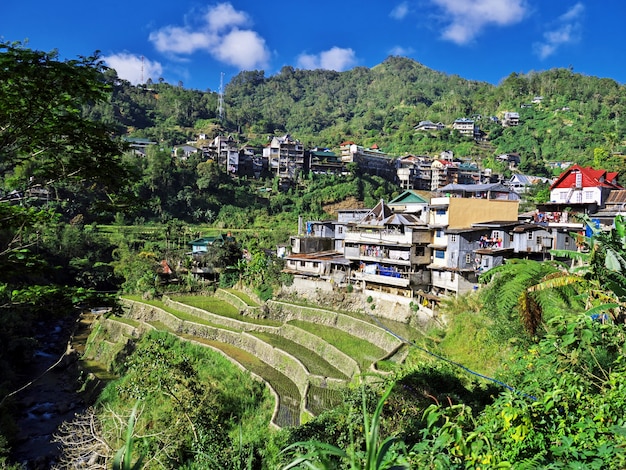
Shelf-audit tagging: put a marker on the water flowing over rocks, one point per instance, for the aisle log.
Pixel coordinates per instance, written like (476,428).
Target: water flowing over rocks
(55,394)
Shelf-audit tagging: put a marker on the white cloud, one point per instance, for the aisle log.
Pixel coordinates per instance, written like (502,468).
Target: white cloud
(401,51)
(466,19)
(243,49)
(336,58)
(224,16)
(565,31)
(133,68)
(400,11)
(219,33)
(177,40)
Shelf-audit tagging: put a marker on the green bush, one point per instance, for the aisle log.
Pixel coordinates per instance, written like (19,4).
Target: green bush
(265,292)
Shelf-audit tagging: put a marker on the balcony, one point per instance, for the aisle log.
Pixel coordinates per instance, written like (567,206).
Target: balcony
(403,279)
(378,254)
(388,237)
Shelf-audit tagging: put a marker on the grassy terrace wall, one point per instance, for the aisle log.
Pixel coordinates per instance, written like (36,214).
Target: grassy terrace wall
(218,319)
(235,301)
(276,358)
(334,356)
(353,326)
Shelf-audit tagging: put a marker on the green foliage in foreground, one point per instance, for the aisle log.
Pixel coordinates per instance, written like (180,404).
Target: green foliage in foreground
(194,403)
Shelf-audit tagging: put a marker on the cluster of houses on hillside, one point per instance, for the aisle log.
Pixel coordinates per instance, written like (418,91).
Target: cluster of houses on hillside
(420,248)
(286,158)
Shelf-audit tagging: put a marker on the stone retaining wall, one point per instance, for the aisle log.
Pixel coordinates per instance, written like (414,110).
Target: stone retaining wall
(277,358)
(336,358)
(237,302)
(353,326)
(226,322)
(331,354)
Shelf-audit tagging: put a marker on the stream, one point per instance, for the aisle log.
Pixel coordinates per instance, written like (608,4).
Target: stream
(54,396)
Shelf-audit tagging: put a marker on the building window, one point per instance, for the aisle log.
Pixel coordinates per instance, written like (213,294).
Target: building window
(566,240)
(340,230)
(438,233)
(440,254)
(441,212)
(589,195)
(452,276)
(453,238)
(316,264)
(563,196)
(302,264)
(468,258)
(530,235)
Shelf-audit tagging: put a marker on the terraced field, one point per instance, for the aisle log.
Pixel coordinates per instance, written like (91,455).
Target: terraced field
(306,363)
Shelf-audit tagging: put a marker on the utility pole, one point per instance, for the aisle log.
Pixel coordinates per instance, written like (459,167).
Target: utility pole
(220,100)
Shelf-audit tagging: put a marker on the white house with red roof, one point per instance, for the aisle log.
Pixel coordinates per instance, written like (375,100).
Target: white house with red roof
(583,185)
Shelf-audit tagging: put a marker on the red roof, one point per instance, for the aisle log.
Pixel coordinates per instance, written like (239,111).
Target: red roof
(591,178)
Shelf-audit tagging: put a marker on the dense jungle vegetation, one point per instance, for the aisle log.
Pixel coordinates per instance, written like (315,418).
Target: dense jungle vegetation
(577,115)
(110,217)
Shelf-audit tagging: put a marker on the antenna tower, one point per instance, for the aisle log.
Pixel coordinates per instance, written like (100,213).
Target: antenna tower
(220,101)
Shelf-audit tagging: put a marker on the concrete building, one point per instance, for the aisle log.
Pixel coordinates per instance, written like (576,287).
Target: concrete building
(452,217)
(389,251)
(285,156)
(225,152)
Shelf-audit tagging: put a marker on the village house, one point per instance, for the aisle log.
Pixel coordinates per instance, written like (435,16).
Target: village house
(578,190)
(370,160)
(224,150)
(510,119)
(452,217)
(523,184)
(466,127)
(285,156)
(388,251)
(429,126)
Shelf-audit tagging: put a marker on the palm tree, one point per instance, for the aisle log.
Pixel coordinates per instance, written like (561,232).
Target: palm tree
(529,288)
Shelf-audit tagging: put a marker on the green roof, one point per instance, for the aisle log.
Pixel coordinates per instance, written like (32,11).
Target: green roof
(409,197)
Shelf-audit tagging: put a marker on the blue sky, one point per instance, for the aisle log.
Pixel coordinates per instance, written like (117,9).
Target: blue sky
(194,42)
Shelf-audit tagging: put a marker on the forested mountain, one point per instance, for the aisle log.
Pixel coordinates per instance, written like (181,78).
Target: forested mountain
(551,335)
(580,117)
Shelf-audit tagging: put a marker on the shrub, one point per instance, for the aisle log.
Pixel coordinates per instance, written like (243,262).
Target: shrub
(265,292)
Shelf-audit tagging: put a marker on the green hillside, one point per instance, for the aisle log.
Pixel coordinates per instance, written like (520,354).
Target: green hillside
(577,115)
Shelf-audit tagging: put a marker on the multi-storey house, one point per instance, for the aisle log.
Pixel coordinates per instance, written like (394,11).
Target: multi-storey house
(224,150)
(411,202)
(389,251)
(452,217)
(414,172)
(323,161)
(510,119)
(313,252)
(466,127)
(585,187)
(285,156)
(370,160)
(443,172)
(251,161)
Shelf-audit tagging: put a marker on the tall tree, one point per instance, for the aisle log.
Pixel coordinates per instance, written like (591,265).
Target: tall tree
(42,124)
